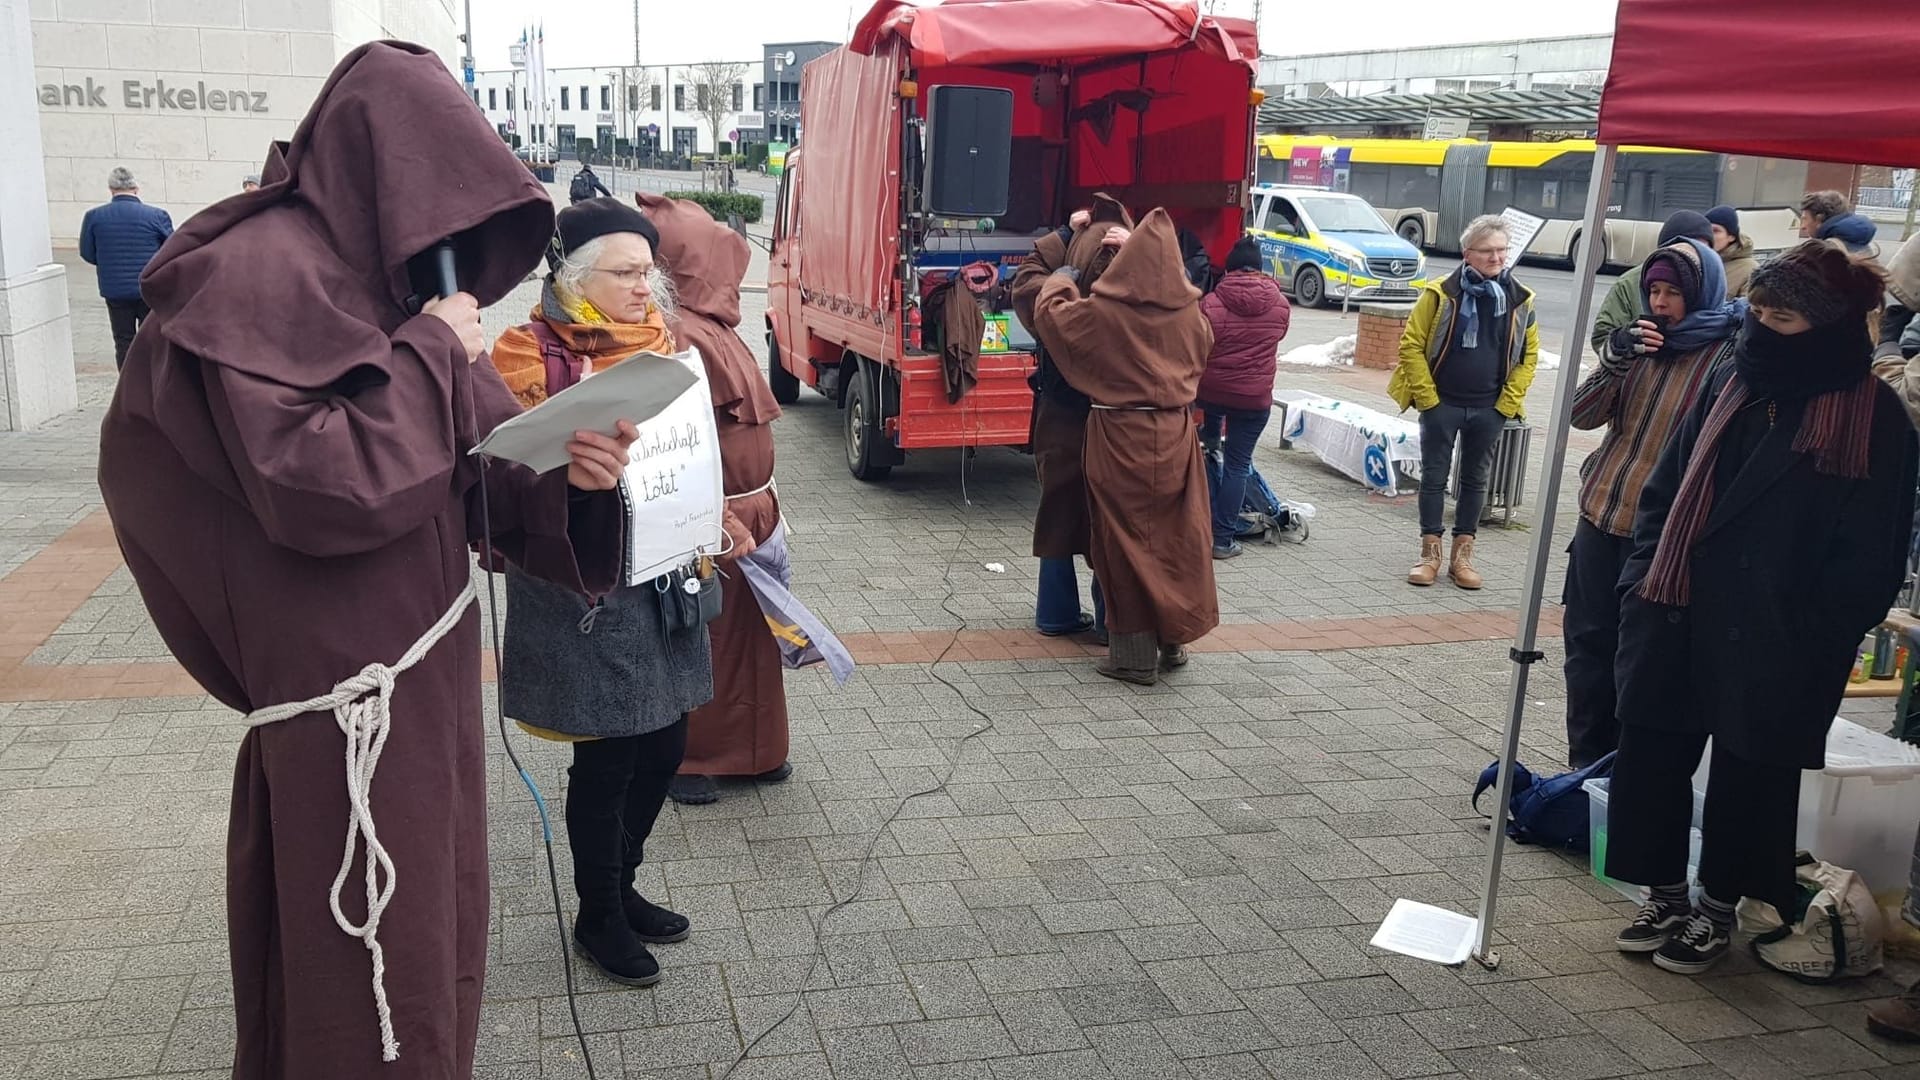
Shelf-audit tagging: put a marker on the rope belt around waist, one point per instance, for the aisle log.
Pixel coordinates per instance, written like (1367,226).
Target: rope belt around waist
(1140,408)
(362,707)
(771,485)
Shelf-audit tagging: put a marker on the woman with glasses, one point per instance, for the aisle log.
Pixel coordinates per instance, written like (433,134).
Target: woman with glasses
(604,674)
(1467,358)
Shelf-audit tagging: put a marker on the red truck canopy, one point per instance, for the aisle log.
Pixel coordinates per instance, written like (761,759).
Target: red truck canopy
(1776,78)
(985,33)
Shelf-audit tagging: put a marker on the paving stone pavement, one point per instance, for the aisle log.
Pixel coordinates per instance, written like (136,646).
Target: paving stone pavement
(982,869)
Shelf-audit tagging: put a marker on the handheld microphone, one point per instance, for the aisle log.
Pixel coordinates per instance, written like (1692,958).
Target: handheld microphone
(446,281)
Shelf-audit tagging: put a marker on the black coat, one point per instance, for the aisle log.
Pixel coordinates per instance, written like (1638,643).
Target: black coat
(1791,570)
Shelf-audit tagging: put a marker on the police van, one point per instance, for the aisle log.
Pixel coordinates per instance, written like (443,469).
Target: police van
(1327,246)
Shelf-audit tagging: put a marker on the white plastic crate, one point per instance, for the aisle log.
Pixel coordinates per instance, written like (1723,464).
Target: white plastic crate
(1596,790)
(1860,812)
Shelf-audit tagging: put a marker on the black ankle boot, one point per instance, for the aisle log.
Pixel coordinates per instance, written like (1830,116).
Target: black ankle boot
(605,938)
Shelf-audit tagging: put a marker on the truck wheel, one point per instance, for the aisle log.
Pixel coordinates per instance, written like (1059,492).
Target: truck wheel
(1309,287)
(785,384)
(1413,232)
(864,452)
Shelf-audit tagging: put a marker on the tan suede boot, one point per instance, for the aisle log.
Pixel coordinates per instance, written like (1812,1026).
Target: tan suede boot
(1898,1019)
(1460,565)
(1427,570)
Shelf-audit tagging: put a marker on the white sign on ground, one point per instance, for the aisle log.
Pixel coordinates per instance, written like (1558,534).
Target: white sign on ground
(1425,932)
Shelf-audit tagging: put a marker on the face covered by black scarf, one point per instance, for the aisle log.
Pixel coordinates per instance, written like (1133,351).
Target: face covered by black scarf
(1830,356)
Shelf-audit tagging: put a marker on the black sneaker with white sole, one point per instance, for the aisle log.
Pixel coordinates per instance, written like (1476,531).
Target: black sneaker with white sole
(1651,927)
(1698,946)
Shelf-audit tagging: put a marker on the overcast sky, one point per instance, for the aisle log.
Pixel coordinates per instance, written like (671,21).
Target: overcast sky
(600,32)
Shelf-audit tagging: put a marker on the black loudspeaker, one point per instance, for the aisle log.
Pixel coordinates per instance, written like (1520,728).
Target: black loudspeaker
(969,150)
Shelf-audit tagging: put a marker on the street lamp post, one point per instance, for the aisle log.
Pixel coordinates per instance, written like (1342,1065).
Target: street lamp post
(613,154)
(466,57)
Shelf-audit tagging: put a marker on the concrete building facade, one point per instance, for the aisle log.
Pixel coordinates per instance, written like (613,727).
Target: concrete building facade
(1489,65)
(660,108)
(188,93)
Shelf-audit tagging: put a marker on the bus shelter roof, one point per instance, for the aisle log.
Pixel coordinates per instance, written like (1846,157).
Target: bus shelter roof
(989,33)
(1775,78)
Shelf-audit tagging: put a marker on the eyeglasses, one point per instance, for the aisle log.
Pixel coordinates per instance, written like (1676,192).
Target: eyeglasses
(626,279)
(1501,252)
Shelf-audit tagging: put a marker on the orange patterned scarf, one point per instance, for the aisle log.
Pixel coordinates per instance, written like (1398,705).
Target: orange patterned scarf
(517,354)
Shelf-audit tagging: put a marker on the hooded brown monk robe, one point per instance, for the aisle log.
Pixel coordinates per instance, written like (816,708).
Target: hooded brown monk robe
(1136,348)
(1060,525)
(285,464)
(743,730)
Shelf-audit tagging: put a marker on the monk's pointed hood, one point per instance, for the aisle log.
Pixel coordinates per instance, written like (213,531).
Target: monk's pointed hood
(1148,271)
(705,259)
(391,159)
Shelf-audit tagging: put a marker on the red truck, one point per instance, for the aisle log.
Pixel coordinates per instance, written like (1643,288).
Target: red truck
(955,133)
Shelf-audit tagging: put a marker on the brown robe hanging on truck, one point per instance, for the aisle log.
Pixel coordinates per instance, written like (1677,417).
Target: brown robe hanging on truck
(743,730)
(1059,426)
(285,462)
(1136,348)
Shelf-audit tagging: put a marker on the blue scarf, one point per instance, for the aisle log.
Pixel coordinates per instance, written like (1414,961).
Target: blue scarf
(1710,316)
(1472,288)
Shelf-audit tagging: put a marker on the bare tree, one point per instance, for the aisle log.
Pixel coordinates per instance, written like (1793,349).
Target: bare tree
(713,90)
(639,82)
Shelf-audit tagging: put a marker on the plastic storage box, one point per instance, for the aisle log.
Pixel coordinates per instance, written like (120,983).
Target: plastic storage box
(1596,790)
(1862,810)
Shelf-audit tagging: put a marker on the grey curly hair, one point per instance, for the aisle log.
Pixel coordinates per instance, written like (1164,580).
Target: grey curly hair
(570,275)
(1484,226)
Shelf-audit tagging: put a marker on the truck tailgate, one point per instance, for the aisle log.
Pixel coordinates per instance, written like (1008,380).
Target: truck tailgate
(997,412)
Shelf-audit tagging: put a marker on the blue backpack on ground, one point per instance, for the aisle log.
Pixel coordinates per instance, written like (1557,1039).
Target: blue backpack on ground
(1550,812)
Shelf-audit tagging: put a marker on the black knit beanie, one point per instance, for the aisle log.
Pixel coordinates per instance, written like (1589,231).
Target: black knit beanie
(1245,255)
(1688,223)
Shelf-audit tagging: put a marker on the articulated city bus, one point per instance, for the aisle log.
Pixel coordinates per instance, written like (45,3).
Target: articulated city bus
(1428,189)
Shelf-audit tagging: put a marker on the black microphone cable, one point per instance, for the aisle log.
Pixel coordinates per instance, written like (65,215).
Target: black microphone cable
(447,284)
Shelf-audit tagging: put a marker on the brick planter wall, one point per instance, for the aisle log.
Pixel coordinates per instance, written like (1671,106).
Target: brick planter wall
(1378,346)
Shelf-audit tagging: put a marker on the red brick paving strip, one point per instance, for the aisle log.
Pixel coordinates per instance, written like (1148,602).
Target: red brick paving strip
(43,592)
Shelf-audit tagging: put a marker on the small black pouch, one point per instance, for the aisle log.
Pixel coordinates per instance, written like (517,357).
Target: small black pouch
(688,600)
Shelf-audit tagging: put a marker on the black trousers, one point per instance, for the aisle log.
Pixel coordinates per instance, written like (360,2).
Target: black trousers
(615,789)
(1477,430)
(1591,629)
(1747,835)
(125,317)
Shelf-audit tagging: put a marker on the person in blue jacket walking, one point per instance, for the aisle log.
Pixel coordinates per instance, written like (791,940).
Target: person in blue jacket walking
(118,239)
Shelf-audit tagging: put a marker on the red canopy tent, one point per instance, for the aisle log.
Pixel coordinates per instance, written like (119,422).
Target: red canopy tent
(982,33)
(1768,77)
(1777,78)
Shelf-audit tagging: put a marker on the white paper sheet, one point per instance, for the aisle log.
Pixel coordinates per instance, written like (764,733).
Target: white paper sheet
(637,390)
(1426,932)
(675,494)
(1525,227)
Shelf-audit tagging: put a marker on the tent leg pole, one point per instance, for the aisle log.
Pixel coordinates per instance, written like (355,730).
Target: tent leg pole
(1524,652)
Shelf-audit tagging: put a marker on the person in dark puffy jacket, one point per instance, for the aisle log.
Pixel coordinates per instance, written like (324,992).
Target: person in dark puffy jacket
(1826,215)
(119,239)
(1249,317)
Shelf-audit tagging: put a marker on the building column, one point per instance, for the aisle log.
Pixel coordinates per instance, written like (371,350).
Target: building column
(36,336)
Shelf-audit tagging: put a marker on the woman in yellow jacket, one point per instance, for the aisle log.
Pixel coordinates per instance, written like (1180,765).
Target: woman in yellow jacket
(1467,358)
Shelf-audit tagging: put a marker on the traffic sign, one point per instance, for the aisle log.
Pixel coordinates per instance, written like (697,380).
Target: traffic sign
(466,72)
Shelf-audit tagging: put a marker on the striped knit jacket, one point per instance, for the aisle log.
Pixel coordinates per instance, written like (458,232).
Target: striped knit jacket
(1640,402)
